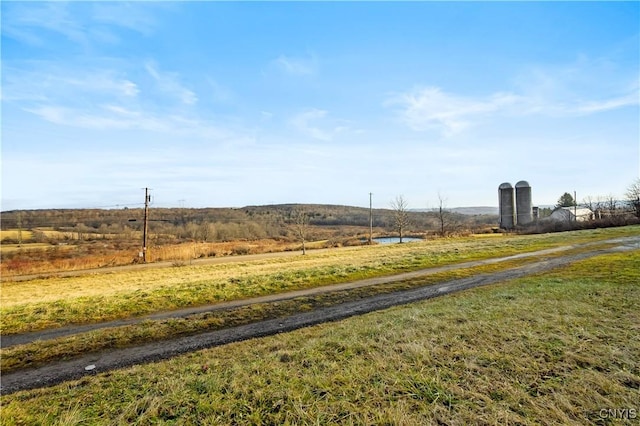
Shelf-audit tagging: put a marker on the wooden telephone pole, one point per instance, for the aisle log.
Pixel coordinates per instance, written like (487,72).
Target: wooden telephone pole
(370,219)
(145,228)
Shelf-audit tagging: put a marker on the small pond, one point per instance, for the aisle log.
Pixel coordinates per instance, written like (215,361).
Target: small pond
(395,240)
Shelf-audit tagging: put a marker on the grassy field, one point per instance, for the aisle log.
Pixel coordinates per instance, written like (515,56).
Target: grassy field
(14,234)
(101,250)
(40,352)
(54,302)
(558,348)
(9,248)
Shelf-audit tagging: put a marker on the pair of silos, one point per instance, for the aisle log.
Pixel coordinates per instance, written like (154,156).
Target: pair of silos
(516,207)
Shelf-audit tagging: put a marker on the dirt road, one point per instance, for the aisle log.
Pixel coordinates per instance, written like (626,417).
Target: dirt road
(107,360)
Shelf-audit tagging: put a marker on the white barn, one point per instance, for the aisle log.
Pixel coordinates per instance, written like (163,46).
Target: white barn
(571,214)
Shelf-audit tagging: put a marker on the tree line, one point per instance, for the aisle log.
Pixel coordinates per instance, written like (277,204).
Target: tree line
(226,224)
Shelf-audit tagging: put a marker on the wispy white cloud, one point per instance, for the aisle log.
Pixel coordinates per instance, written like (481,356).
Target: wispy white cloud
(315,123)
(107,117)
(296,66)
(590,107)
(115,117)
(39,81)
(80,23)
(26,22)
(98,82)
(134,16)
(584,86)
(581,88)
(97,97)
(306,122)
(170,84)
(430,107)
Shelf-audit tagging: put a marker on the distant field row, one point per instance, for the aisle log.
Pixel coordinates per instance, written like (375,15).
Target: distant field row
(51,233)
(27,235)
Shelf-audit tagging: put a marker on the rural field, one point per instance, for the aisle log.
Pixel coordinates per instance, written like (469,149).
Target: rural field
(558,347)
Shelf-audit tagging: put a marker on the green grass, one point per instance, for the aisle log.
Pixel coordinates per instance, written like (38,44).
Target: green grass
(40,352)
(550,349)
(55,302)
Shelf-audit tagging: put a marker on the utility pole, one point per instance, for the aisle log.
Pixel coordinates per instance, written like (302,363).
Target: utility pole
(575,206)
(370,219)
(145,229)
(19,229)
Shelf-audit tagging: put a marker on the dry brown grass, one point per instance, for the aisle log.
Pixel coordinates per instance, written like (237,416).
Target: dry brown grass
(46,258)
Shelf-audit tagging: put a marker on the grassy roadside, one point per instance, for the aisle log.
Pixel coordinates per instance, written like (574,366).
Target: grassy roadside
(55,302)
(557,348)
(41,352)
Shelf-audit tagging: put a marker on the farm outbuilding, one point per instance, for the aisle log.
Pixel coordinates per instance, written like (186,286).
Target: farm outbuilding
(571,214)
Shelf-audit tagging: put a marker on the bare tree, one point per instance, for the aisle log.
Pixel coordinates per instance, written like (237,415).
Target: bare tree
(400,215)
(207,231)
(301,224)
(611,205)
(192,231)
(595,205)
(443,215)
(633,197)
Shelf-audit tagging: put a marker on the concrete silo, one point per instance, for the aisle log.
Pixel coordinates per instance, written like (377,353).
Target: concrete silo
(524,206)
(507,206)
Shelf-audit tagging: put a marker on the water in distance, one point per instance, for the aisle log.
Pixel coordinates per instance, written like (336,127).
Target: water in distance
(395,240)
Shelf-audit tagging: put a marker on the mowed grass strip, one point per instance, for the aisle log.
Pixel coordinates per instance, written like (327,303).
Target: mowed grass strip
(558,348)
(55,302)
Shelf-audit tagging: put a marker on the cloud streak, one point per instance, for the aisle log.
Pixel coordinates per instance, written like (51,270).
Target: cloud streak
(169,83)
(584,87)
(306,123)
(32,23)
(431,108)
(296,66)
(97,97)
(316,124)
(83,24)
(39,81)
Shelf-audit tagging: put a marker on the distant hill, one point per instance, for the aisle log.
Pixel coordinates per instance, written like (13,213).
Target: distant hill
(476,210)
(470,211)
(246,222)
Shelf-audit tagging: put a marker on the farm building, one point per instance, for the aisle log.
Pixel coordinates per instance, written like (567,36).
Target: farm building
(571,214)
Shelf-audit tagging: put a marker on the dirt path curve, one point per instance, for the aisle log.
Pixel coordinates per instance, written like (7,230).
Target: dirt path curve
(94,363)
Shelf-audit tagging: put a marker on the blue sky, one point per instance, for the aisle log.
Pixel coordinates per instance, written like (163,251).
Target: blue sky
(233,104)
